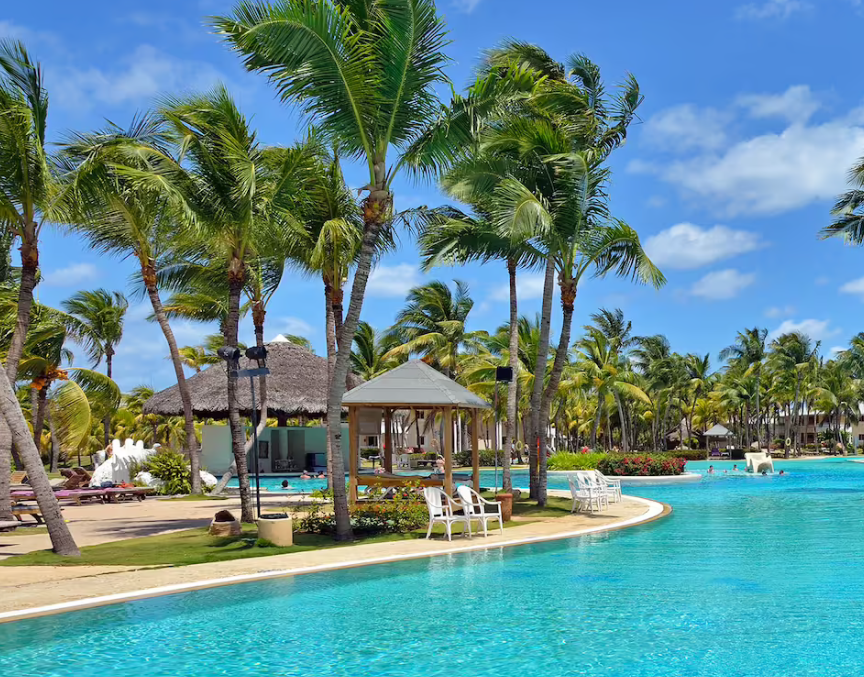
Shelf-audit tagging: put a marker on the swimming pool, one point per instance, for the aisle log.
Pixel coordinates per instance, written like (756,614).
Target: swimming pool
(273,484)
(750,576)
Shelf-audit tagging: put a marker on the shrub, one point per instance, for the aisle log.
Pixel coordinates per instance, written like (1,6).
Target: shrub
(689,454)
(641,465)
(406,512)
(568,460)
(170,467)
(487,457)
(369,452)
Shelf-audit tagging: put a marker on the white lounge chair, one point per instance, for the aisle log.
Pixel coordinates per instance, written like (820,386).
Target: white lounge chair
(475,508)
(613,486)
(581,498)
(442,511)
(597,495)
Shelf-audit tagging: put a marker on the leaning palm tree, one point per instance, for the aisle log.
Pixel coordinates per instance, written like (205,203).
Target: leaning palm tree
(28,199)
(433,325)
(99,319)
(366,73)
(120,216)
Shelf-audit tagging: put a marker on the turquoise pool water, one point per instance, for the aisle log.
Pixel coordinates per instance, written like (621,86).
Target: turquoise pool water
(749,577)
(273,483)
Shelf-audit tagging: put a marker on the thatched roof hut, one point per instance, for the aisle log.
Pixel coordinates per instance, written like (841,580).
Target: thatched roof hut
(297,386)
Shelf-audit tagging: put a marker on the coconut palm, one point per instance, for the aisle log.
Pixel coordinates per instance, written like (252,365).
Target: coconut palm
(366,73)
(433,325)
(194,357)
(99,325)
(749,353)
(794,353)
(370,356)
(120,216)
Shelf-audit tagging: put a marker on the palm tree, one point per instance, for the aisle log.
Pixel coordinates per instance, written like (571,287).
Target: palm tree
(99,316)
(699,372)
(28,199)
(370,355)
(794,353)
(748,351)
(120,216)
(194,357)
(433,324)
(366,73)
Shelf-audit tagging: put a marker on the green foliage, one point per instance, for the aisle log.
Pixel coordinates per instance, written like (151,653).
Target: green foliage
(172,468)
(404,513)
(566,460)
(647,465)
(487,458)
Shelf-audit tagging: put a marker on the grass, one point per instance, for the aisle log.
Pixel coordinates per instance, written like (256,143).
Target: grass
(24,531)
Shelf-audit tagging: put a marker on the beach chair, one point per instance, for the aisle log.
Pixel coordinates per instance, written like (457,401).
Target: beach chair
(18,477)
(613,486)
(597,496)
(442,510)
(84,475)
(478,508)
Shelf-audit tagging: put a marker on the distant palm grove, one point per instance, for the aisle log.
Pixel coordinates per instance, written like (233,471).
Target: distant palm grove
(215,221)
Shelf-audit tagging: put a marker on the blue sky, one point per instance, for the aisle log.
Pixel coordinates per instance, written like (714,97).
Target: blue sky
(753,115)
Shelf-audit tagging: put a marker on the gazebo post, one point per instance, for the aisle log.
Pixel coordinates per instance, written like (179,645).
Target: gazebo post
(448,450)
(388,439)
(475,447)
(354,450)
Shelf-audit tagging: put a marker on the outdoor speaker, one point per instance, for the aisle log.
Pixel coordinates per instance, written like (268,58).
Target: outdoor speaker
(504,374)
(256,353)
(229,353)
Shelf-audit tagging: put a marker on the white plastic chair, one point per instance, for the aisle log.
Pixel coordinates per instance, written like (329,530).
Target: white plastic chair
(580,497)
(441,510)
(475,508)
(613,486)
(598,496)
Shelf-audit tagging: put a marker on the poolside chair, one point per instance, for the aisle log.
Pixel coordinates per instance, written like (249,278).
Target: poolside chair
(613,486)
(597,496)
(476,508)
(442,510)
(84,475)
(18,477)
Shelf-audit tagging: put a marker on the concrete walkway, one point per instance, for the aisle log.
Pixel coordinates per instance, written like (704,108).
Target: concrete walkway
(46,590)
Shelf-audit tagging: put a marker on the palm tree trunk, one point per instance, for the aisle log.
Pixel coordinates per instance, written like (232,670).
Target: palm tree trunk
(106,422)
(758,410)
(568,298)
(238,432)
(376,210)
(58,531)
(148,272)
(330,330)
(55,443)
(29,271)
(39,417)
(797,420)
(597,416)
(625,447)
(510,429)
(539,377)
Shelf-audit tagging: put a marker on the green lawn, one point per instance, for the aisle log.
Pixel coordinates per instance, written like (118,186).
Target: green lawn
(196,546)
(24,531)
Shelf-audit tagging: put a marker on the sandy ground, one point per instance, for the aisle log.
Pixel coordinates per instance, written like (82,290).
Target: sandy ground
(27,587)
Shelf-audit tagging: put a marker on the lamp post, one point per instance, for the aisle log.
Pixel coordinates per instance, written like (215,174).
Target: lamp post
(231,355)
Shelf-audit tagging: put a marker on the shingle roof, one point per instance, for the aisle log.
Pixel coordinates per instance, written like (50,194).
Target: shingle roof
(414,383)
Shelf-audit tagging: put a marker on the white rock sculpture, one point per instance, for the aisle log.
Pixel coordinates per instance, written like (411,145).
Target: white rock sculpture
(118,467)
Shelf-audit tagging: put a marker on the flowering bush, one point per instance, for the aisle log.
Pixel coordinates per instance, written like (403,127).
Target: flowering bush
(641,465)
(404,513)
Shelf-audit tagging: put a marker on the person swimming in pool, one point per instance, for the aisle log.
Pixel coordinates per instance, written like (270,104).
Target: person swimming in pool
(764,473)
(735,468)
(322,475)
(710,469)
(285,484)
(305,476)
(782,472)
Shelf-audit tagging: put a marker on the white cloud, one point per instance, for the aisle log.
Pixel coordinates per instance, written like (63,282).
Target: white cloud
(722,284)
(467,6)
(836,349)
(687,127)
(528,286)
(855,287)
(796,104)
(292,325)
(686,246)
(815,329)
(393,281)
(74,274)
(9,29)
(144,74)
(776,311)
(771,9)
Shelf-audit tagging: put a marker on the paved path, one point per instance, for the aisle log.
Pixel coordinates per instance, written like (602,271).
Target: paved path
(29,587)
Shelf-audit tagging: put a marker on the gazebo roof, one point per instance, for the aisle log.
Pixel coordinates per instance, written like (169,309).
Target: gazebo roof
(413,384)
(718,431)
(297,385)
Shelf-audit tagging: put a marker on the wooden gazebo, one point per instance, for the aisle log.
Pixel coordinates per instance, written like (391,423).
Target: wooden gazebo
(418,387)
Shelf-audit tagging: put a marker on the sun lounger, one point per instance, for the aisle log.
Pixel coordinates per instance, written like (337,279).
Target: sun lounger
(18,477)
(19,511)
(9,526)
(118,493)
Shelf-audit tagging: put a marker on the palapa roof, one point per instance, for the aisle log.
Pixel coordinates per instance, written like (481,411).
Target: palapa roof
(413,384)
(297,385)
(718,431)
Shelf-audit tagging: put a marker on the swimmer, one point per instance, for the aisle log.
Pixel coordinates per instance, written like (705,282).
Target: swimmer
(735,468)
(305,476)
(764,473)
(285,484)
(782,472)
(322,476)
(710,469)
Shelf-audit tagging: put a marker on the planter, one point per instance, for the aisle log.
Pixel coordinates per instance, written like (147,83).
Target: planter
(225,524)
(278,529)
(506,501)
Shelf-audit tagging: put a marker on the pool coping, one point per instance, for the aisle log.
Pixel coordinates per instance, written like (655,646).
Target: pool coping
(641,480)
(656,510)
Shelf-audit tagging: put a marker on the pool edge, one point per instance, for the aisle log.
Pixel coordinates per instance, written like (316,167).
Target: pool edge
(656,510)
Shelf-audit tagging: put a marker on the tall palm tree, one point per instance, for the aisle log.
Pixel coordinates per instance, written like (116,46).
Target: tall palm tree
(794,353)
(120,216)
(29,198)
(699,372)
(433,324)
(99,316)
(370,355)
(366,73)
(749,352)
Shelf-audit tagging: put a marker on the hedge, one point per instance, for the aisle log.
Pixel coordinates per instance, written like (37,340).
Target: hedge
(568,460)
(652,465)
